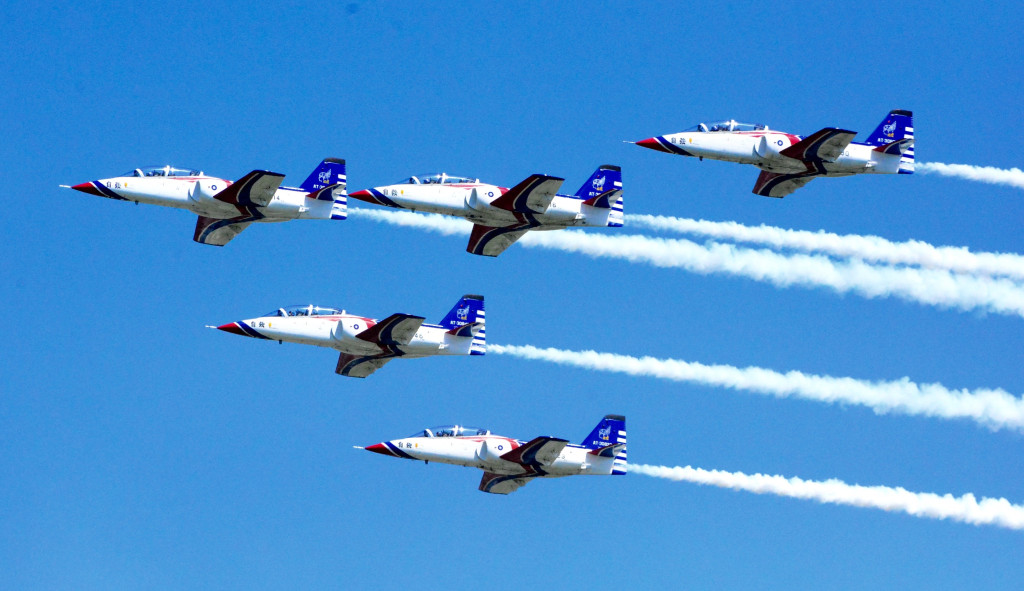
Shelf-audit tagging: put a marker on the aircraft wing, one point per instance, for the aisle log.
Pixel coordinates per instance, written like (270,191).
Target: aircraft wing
(826,145)
(491,242)
(772,184)
(256,188)
(533,195)
(501,484)
(356,366)
(397,329)
(539,450)
(219,232)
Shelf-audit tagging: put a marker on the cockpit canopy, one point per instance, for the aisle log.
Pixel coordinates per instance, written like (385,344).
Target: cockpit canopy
(451,431)
(163,171)
(728,125)
(438,179)
(304,311)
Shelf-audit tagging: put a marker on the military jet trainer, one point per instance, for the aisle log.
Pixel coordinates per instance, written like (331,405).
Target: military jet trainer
(789,161)
(501,216)
(510,463)
(365,344)
(226,208)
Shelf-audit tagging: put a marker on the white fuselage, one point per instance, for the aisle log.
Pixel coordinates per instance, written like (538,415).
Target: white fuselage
(484,452)
(338,331)
(472,201)
(195,194)
(762,149)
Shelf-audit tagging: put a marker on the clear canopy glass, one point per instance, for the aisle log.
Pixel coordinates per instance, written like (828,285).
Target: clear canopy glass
(164,171)
(304,311)
(727,125)
(451,431)
(438,179)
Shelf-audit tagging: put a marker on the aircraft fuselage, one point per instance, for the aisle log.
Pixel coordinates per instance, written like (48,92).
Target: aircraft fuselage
(484,452)
(339,332)
(473,202)
(195,194)
(762,149)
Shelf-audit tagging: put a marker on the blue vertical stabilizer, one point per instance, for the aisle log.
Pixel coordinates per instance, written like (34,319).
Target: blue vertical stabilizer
(330,172)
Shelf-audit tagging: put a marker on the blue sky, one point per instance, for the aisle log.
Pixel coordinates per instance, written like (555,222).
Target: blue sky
(141,450)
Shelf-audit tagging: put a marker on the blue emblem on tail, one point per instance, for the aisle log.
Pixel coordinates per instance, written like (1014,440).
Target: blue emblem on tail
(898,124)
(330,172)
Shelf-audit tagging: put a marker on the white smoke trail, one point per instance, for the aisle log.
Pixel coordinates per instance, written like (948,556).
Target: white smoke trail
(1013,177)
(928,286)
(994,408)
(867,248)
(965,509)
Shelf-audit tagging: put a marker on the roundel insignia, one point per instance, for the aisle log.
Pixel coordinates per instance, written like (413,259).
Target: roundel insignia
(501,447)
(779,142)
(213,187)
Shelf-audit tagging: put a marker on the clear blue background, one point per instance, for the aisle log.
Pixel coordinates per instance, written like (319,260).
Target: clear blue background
(141,450)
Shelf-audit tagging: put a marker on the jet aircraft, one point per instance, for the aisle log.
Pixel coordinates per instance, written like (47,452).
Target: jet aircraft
(789,161)
(226,208)
(366,344)
(501,216)
(509,463)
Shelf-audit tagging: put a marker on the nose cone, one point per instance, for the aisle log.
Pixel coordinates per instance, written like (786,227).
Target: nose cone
(653,143)
(379,448)
(364,195)
(89,188)
(233,328)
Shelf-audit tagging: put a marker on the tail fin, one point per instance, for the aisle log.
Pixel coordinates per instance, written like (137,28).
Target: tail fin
(603,187)
(897,125)
(469,311)
(610,433)
(330,174)
(604,190)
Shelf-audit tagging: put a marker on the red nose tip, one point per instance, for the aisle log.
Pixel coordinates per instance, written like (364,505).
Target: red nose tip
(89,188)
(363,195)
(652,143)
(378,448)
(233,328)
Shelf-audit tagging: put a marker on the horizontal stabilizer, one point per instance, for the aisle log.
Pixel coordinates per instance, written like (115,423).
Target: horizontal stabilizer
(254,189)
(606,200)
(608,451)
(540,450)
(501,484)
(533,195)
(896,147)
(466,330)
(397,329)
(325,194)
(826,145)
(360,366)
(491,242)
(219,232)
